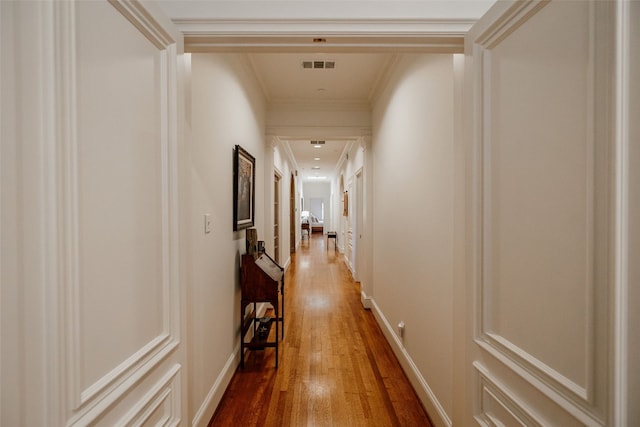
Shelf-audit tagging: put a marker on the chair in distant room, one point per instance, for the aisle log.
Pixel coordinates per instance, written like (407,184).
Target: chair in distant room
(332,235)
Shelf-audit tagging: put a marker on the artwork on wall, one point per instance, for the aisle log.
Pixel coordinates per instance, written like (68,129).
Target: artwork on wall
(345,206)
(244,176)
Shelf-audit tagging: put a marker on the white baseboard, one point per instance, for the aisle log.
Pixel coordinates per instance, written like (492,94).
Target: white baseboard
(438,415)
(365,300)
(211,402)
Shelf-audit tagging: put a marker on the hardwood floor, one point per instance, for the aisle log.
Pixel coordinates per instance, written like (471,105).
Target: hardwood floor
(336,369)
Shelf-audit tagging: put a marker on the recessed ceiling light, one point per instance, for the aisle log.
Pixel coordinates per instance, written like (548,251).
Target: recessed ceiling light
(316,167)
(316,158)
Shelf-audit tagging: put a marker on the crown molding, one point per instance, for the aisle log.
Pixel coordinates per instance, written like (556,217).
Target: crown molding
(288,152)
(319,105)
(285,132)
(348,35)
(194,26)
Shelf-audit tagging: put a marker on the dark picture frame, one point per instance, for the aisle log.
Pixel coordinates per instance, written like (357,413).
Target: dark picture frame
(345,203)
(244,191)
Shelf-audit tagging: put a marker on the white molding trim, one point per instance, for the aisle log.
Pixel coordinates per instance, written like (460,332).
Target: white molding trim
(619,305)
(287,263)
(168,387)
(511,20)
(527,361)
(298,105)
(67,209)
(327,132)
(579,400)
(91,401)
(101,405)
(366,300)
(138,15)
(383,78)
(488,383)
(428,398)
(342,160)
(286,149)
(579,413)
(407,27)
(158,345)
(214,396)
(262,35)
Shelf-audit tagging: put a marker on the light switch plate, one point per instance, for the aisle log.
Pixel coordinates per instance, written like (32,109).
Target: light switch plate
(207,223)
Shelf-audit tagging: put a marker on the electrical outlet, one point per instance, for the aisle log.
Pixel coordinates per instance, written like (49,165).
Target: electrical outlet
(207,223)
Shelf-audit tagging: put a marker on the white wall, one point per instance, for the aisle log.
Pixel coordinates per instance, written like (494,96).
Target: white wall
(413,222)
(227,108)
(632,300)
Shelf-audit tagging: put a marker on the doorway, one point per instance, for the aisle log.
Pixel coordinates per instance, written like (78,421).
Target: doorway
(276,217)
(358,228)
(292,215)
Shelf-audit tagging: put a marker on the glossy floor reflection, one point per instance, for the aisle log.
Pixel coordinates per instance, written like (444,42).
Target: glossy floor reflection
(336,369)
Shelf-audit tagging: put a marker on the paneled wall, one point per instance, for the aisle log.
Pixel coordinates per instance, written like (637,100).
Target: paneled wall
(91,333)
(544,215)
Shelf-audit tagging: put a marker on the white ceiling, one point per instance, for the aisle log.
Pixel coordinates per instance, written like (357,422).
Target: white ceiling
(324,9)
(327,154)
(362,37)
(353,79)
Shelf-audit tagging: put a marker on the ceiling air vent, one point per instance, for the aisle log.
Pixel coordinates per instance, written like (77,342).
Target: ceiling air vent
(316,142)
(318,65)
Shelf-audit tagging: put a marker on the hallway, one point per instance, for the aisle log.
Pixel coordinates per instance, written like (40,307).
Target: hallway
(335,366)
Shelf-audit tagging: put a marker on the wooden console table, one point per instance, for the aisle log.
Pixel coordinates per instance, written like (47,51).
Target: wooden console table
(258,286)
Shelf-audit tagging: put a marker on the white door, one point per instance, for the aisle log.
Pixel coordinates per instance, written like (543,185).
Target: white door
(91,303)
(358,228)
(544,211)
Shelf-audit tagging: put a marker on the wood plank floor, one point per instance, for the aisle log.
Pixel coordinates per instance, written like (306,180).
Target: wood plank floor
(336,368)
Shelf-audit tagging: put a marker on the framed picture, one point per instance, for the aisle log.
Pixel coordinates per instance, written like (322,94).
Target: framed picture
(345,204)
(244,189)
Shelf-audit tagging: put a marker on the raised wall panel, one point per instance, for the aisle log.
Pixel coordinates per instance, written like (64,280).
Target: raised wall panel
(160,405)
(498,404)
(544,197)
(120,189)
(116,103)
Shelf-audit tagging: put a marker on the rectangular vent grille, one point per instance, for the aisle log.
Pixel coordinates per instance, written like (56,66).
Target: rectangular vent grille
(317,142)
(319,65)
